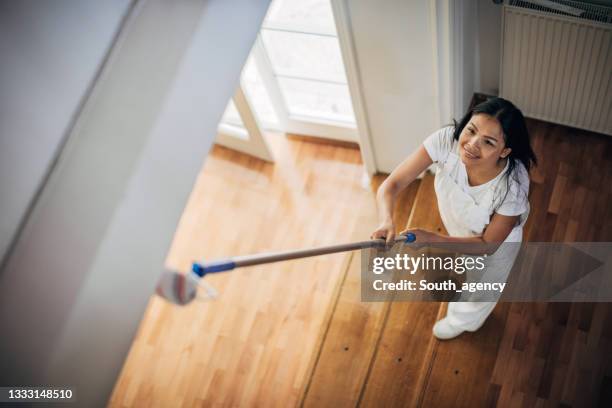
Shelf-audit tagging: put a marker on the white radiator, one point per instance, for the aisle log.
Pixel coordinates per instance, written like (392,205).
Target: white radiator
(558,67)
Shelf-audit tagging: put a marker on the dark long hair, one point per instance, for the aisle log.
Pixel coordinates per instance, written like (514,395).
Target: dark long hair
(516,136)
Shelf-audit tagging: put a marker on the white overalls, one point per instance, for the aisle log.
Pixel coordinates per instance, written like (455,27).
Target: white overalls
(464,217)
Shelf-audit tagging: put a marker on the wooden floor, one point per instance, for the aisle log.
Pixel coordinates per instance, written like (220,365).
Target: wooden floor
(296,333)
(252,346)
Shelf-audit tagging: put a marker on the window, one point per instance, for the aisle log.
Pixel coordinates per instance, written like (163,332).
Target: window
(294,81)
(301,45)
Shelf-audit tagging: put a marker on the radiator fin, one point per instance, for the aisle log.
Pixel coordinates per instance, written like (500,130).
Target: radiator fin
(558,68)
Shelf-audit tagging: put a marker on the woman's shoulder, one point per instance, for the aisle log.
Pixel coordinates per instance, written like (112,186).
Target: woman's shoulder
(440,143)
(446,133)
(514,194)
(519,180)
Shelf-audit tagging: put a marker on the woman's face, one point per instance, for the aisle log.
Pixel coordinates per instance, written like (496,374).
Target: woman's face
(481,142)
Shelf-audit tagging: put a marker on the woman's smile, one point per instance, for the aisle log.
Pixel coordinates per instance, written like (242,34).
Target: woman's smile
(468,155)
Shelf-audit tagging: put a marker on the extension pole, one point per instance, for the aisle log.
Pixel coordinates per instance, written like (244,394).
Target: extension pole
(223,265)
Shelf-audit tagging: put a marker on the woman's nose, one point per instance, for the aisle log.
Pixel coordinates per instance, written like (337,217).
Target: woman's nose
(474,143)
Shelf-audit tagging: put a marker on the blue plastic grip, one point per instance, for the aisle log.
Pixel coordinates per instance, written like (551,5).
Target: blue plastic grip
(218,266)
(410,237)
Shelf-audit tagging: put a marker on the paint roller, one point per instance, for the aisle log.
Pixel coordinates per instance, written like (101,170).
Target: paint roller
(181,289)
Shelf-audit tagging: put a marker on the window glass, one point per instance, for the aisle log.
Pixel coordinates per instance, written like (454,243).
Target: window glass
(317,99)
(302,15)
(304,56)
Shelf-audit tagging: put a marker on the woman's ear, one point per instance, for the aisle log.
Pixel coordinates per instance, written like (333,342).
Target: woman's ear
(505,152)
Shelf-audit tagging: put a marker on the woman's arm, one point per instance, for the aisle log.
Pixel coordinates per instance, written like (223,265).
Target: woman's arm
(399,179)
(494,234)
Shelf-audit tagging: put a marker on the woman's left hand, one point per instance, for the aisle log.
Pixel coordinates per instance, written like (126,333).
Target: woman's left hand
(423,237)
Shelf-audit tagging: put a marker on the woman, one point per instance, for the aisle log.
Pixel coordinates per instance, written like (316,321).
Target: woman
(482,186)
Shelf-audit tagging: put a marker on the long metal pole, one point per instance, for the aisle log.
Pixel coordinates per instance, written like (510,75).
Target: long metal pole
(202,269)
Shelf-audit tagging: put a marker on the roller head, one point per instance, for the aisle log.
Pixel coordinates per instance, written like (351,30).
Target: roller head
(177,288)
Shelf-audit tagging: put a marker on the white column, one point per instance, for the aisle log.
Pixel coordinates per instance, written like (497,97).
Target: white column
(79,277)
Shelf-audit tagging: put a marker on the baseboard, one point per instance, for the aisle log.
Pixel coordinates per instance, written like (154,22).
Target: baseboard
(322,140)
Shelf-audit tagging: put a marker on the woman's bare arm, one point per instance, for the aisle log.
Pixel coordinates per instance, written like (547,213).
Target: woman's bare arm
(399,179)
(494,234)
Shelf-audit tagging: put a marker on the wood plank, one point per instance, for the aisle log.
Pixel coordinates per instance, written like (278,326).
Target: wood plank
(399,368)
(557,194)
(350,342)
(355,327)
(462,368)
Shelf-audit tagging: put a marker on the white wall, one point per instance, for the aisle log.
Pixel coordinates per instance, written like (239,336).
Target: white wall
(418,64)
(465,65)
(50,53)
(477,40)
(489,42)
(395,53)
(77,282)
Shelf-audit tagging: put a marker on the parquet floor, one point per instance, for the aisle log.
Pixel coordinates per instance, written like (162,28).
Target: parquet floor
(253,345)
(296,333)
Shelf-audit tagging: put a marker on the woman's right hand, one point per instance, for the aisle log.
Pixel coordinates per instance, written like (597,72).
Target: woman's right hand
(385,230)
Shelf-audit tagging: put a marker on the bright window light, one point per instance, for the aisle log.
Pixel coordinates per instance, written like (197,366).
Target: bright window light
(301,43)
(305,56)
(258,95)
(318,99)
(231,115)
(303,15)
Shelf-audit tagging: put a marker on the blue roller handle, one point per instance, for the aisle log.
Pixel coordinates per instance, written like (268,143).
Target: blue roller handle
(410,237)
(216,266)
(232,263)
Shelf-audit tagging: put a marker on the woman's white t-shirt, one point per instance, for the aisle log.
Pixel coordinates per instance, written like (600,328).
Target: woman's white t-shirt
(440,145)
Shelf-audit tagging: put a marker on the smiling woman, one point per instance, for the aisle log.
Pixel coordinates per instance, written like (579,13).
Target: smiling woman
(485,143)
(482,141)
(482,187)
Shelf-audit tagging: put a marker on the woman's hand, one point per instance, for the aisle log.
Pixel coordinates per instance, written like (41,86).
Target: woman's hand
(385,230)
(423,237)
